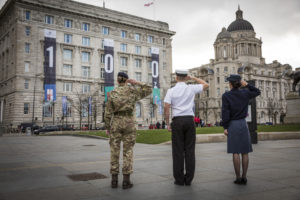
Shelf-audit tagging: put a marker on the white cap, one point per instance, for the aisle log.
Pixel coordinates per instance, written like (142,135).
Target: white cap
(182,72)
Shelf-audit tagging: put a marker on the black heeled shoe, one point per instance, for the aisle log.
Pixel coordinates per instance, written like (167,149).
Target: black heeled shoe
(238,181)
(244,181)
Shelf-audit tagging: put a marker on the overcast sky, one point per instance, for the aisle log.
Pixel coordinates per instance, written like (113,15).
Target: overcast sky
(197,23)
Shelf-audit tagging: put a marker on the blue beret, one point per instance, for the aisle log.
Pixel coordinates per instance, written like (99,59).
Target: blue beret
(123,74)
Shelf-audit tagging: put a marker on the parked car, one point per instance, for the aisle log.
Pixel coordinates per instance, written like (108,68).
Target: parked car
(46,129)
(269,123)
(65,127)
(28,124)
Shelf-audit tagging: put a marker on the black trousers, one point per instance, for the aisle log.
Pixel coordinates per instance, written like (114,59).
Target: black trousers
(183,148)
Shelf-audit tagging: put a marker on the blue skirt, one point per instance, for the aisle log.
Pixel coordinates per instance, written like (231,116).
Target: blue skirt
(238,140)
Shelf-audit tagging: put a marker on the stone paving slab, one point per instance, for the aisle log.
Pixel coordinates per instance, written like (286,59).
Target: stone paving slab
(36,168)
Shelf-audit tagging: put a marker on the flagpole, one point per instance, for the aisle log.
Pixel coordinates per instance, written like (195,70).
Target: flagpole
(154,17)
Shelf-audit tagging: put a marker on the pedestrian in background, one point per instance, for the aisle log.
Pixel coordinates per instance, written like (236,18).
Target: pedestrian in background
(120,124)
(234,111)
(180,99)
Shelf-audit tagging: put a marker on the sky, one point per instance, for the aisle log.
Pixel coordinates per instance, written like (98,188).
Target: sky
(197,23)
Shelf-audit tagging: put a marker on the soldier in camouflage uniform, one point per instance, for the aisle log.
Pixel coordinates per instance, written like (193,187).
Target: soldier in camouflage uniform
(120,124)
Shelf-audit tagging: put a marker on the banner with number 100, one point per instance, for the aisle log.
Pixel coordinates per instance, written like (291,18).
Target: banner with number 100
(50,65)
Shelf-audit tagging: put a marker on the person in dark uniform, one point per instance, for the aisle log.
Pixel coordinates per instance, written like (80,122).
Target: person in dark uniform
(181,99)
(234,111)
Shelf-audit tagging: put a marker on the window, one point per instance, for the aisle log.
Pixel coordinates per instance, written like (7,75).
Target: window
(27,30)
(47,110)
(67,70)
(149,78)
(138,110)
(226,89)
(164,66)
(27,67)
(85,56)
(49,19)
(138,76)
(26,108)
(124,34)
(149,51)
(123,47)
(218,80)
(218,92)
(67,87)
(85,26)
(68,112)
(137,49)
(218,70)
(27,47)
(164,41)
(85,41)
(123,61)
(27,15)
(150,39)
(225,69)
(85,71)
(102,73)
(68,54)
(102,44)
(137,37)
(68,38)
(102,58)
(164,53)
(150,65)
(26,84)
(225,79)
(85,88)
(138,63)
(102,88)
(68,23)
(105,30)
(84,111)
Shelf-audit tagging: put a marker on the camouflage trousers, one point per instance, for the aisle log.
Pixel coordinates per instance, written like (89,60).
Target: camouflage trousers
(122,129)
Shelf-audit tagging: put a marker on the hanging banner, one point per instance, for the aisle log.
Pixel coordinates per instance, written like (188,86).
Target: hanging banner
(108,67)
(50,65)
(155,75)
(64,105)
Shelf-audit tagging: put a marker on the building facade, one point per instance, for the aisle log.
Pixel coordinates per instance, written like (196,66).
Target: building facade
(79,59)
(238,51)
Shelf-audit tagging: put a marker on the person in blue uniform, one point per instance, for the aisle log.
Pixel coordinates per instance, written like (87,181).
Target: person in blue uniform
(234,111)
(180,99)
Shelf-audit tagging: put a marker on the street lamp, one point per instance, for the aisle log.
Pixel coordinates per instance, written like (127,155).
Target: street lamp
(33,103)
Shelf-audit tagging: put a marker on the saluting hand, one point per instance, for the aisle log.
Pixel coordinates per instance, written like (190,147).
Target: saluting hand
(169,128)
(131,81)
(244,83)
(225,132)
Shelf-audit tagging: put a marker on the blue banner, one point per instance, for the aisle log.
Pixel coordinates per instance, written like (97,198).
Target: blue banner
(64,105)
(108,67)
(50,65)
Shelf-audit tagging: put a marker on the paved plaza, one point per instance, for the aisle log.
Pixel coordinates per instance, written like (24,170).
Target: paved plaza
(37,168)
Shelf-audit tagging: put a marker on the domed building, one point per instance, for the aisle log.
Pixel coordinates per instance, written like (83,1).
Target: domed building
(238,51)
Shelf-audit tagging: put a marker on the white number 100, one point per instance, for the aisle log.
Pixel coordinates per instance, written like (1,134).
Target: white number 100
(50,49)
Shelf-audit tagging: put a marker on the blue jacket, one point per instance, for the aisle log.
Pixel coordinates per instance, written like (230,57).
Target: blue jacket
(235,104)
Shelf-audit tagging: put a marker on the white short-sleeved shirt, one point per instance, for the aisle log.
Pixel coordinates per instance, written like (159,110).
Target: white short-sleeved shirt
(181,97)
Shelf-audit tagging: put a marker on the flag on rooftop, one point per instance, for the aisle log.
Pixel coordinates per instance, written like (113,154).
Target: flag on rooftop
(149,4)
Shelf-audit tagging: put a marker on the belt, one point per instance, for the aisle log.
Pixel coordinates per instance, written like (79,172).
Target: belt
(124,113)
(185,116)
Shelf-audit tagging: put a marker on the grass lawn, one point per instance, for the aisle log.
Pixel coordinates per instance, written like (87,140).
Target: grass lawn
(162,135)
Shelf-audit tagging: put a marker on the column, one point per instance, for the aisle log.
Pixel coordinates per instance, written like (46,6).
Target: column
(1,110)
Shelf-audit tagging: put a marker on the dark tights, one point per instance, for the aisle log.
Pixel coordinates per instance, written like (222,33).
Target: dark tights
(237,165)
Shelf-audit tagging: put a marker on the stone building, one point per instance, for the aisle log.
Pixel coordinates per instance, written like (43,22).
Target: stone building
(80,32)
(238,51)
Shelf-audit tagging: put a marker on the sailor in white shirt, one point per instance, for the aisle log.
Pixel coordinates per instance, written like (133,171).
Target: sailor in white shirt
(181,99)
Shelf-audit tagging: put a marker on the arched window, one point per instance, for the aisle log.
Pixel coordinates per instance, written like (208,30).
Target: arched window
(138,110)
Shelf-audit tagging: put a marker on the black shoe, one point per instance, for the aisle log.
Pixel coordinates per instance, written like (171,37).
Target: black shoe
(178,183)
(244,181)
(114,181)
(238,181)
(127,185)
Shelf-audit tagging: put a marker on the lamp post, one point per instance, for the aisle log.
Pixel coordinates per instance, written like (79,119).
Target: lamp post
(33,102)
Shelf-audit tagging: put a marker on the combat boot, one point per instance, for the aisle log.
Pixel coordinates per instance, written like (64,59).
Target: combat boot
(114,181)
(126,181)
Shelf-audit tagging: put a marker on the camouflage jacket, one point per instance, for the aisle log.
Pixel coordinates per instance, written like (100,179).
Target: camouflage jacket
(123,99)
